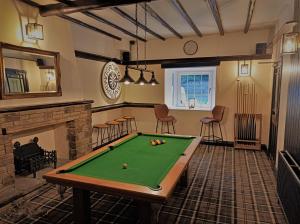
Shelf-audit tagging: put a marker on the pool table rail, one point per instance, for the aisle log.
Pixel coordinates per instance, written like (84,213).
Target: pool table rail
(120,188)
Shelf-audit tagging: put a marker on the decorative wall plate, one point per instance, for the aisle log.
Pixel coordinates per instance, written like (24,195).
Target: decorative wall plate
(110,80)
(190,47)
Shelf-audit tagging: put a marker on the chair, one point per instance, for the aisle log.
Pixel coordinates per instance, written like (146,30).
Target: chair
(161,113)
(217,117)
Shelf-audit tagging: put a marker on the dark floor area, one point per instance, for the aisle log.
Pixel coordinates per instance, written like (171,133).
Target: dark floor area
(225,186)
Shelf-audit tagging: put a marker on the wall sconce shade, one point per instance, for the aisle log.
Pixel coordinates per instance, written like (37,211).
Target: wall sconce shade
(141,81)
(290,43)
(153,80)
(244,68)
(34,31)
(126,78)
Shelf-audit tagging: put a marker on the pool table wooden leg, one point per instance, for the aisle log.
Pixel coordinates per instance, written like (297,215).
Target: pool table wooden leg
(81,206)
(147,213)
(184,178)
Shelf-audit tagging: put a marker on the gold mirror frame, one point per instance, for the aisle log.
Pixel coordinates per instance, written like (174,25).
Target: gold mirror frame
(5,96)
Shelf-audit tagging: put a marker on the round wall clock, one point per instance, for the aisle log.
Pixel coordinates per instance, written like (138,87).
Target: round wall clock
(190,47)
(110,80)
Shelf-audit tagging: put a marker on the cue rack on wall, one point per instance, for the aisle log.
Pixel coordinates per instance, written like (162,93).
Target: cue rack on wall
(247,122)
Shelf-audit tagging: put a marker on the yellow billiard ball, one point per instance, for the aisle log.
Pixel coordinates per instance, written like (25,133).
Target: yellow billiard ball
(125,166)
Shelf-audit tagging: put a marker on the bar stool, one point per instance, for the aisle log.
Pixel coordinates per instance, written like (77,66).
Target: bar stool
(217,116)
(161,113)
(130,119)
(113,129)
(123,127)
(101,130)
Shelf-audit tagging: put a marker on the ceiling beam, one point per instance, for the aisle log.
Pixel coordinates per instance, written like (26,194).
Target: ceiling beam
(126,16)
(156,16)
(215,11)
(80,23)
(251,8)
(83,5)
(179,7)
(76,21)
(105,21)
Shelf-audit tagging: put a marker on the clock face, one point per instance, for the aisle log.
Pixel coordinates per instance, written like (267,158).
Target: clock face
(110,80)
(190,47)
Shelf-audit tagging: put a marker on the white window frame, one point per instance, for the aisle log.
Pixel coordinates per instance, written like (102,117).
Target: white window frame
(172,82)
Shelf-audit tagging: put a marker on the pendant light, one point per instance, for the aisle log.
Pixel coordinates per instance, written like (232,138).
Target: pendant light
(126,78)
(141,81)
(153,80)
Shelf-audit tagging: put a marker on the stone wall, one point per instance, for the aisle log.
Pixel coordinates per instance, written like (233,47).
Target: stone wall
(79,131)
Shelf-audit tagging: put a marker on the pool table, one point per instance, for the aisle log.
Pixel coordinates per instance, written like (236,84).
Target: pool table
(130,167)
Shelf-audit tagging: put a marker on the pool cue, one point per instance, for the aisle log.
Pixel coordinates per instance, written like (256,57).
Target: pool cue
(247,119)
(237,111)
(244,110)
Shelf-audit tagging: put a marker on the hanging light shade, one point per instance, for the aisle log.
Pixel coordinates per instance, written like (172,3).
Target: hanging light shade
(153,80)
(141,81)
(126,78)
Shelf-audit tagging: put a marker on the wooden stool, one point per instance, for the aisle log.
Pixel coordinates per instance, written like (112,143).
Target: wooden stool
(123,126)
(129,120)
(113,129)
(102,128)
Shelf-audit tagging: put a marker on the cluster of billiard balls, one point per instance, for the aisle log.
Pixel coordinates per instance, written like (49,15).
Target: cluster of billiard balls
(157,141)
(153,142)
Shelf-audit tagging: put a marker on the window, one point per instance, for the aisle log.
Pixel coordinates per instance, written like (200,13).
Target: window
(190,88)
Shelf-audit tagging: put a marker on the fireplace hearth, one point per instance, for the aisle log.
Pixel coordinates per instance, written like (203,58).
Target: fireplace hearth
(31,157)
(76,117)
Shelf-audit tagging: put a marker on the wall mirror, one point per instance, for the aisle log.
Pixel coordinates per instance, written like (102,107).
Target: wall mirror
(28,72)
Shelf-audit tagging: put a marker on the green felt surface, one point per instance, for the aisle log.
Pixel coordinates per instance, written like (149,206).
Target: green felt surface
(147,164)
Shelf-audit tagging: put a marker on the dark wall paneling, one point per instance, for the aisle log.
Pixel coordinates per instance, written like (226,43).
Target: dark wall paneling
(292,130)
(288,186)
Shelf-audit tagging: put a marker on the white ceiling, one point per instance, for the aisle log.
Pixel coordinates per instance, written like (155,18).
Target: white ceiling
(233,14)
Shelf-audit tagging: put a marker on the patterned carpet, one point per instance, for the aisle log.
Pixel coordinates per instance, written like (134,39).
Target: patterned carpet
(225,186)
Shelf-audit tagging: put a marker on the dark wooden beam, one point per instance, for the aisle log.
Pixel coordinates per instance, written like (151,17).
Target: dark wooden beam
(80,23)
(215,11)
(203,59)
(105,21)
(76,21)
(31,3)
(179,7)
(126,16)
(83,5)
(96,57)
(251,8)
(156,16)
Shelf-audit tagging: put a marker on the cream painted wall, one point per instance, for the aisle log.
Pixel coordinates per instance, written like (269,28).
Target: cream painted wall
(188,122)
(236,43)
(57,37)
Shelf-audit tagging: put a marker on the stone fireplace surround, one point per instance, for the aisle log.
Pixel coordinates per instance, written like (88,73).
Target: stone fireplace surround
(76,115)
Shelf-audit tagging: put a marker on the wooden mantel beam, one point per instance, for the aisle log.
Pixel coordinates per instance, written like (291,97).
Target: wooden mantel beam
(215,11)
(83,5)
(251,8)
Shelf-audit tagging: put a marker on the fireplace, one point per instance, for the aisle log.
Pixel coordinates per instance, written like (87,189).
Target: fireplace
(71,118)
